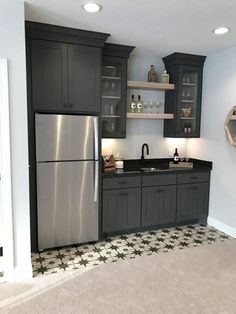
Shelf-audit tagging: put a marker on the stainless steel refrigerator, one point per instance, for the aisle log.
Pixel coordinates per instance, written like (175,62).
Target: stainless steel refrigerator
(67,179)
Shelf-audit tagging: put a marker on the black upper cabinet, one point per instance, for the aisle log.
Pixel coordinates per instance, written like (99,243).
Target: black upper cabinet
(64,68)
(185,101)
(84,68)
(49,75)
(114,90)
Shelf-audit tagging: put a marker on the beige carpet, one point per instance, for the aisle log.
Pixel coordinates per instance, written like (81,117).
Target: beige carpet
(196,280)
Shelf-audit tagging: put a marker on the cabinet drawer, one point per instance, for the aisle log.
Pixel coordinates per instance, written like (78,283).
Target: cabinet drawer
(163,179)
(194,177)
(123,182)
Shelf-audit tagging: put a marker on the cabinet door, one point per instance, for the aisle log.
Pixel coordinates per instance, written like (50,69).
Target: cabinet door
(49,75)
(189,101)
(114,85)
(192,201)
(158,205)
(84,73)
(121,209)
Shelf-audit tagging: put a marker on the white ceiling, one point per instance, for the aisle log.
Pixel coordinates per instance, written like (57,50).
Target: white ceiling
(153,27)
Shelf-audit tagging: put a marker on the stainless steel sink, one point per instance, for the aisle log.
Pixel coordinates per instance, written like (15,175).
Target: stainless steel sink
(154,169)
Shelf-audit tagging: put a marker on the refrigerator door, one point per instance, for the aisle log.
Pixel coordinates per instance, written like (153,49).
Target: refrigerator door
(67,203)
(66,137)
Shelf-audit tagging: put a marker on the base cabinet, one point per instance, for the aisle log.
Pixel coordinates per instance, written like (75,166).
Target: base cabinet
(121,209)
(154,200)
(158,205)
(192,201)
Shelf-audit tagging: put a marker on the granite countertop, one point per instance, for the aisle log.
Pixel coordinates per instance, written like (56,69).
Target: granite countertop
(132,167)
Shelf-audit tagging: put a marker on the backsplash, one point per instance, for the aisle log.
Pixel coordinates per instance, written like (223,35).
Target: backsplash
(144,131)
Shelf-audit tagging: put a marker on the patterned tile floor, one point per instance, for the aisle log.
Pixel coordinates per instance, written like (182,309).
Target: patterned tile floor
(123,247)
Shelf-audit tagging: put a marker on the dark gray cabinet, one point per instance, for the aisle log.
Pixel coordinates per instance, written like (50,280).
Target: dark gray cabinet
(114,90)
(184,102)
(158,205)
(152,200)
(192,196)
(121,203)
(192,201)
(49,74)
(84,69)
(121,209)
(65,77)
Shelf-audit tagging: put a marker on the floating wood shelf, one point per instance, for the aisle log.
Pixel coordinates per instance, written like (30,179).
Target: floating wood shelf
(150,86)
(131,115)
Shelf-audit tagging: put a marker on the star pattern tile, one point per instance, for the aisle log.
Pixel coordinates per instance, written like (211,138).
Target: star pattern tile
(127,246)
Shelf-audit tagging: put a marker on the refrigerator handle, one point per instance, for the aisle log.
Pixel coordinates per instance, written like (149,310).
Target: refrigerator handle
(95,131)
(96,175)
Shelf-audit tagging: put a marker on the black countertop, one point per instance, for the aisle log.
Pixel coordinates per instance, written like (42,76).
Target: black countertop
(132,167)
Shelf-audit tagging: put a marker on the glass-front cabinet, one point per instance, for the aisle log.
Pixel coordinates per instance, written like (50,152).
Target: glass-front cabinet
(114,90)
(185,101)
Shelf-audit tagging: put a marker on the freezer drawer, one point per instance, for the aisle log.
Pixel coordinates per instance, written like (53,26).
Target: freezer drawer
(67,203)
(65,137)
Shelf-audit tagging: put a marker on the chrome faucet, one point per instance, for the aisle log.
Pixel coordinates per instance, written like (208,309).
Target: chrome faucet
(144,145)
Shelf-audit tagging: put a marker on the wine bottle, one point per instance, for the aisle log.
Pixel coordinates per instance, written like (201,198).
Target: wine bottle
(139,105)
(132,106)
(176,157)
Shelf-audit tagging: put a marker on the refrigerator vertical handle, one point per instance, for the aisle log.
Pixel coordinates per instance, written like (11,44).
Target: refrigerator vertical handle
(95,130)
(96,176)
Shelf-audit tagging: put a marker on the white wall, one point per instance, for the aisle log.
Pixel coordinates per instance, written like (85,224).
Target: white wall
(219,95)
(13,48)
(144,131)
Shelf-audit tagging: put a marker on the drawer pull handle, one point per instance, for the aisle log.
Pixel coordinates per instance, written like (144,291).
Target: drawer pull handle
(123,194)
(193,188)
(159,191)
(193,178)
(122,182)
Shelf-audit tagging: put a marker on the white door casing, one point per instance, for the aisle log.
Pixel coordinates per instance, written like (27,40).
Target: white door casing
(6,233)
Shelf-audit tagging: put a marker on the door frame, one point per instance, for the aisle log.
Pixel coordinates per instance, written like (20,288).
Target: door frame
(5,176)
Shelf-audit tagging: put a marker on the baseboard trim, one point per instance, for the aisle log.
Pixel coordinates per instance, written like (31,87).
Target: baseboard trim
(222,227)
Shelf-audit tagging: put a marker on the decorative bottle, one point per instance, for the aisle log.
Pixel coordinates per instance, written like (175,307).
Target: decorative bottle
(176,157)
(165,77)
(132,106)
(152,74)
(139,105)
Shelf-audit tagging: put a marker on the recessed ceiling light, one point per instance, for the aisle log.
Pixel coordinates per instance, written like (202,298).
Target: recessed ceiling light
(221,30)
(92,7)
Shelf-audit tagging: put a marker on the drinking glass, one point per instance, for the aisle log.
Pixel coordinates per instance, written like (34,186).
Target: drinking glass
(145,105)
(113,89)
(186,159)
(107,107)
(151,107)
(156,105)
